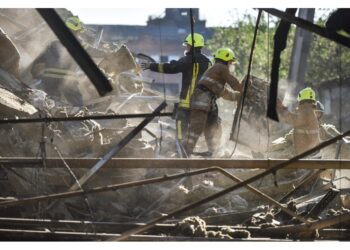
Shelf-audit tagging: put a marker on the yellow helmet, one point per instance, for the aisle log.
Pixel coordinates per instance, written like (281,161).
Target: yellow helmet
(225,54)
(307,94)
(197,38)
(74,23)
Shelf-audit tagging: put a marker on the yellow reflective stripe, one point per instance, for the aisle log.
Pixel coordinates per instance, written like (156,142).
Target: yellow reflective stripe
(185,103)
(69,77)
(59,71)
(160,68)
(179,130)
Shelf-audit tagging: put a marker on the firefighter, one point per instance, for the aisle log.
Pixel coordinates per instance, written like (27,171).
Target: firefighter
(204,110)
(192,69)
(306,131)
(76,27)
(58,71)
(283,146)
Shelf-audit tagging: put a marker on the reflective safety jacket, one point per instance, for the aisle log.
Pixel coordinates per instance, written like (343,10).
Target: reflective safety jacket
(306,133)
(58,62)
(190,73)
(212,85)
(216,77)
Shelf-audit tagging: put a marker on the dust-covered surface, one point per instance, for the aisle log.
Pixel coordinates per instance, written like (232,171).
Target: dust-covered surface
(23,97)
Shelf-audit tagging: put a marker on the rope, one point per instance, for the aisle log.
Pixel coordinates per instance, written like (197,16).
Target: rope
(239,110)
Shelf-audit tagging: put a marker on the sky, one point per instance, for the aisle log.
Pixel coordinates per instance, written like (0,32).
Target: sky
(136,12)
(214,16)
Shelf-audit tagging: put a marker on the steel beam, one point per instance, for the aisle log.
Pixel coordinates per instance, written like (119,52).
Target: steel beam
(82,118)
(301,23)
(116,148)
(76,50)
(30,162)
(271,170)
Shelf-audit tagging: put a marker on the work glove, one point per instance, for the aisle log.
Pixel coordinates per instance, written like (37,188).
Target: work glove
(145,65)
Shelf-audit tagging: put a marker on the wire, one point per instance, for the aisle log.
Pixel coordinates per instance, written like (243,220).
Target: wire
(77,181)
(164,90)
(339,52)
(240,105)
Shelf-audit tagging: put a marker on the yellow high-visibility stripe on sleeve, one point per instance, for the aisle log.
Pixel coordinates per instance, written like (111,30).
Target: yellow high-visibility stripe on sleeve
(179,129)
(185,103)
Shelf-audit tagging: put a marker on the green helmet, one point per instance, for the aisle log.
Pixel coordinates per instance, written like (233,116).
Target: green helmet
(74,23)
(197,38)
(307,94)
(225,54)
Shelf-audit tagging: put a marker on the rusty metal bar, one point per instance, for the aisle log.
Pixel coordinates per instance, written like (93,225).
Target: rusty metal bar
(108,227)
(264,196)
(320,224)
(149,181)
(76,50)
(301,23)
(300,185)
(116,148)
(115,227)
(30,235)
(82,118)
(128,163)
(101,189)
(272,170)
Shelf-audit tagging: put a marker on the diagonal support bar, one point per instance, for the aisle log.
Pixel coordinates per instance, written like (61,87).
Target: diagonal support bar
(309,26)
(75,49)
(151,224)
(82,118)
(117,148)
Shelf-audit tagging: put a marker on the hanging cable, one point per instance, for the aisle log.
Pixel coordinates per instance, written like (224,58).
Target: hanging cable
(164,92)
(268,80)
(85,198)
(240,105)
(339,52)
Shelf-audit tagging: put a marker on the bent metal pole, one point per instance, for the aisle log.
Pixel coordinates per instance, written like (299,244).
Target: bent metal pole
(151,224)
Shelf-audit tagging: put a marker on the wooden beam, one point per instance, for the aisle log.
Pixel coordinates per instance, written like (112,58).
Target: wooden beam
(121,163)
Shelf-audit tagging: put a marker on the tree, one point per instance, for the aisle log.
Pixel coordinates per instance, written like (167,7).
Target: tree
(239,38)
(326,60)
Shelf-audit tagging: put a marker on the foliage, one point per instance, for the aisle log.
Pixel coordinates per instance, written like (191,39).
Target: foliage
(239,37)
(326,59)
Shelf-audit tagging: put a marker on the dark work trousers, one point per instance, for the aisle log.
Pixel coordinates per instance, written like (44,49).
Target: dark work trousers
(205,122)
(182,123)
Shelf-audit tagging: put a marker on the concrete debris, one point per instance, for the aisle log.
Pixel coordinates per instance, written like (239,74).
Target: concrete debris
(191,226)
(21,96)
(118,62)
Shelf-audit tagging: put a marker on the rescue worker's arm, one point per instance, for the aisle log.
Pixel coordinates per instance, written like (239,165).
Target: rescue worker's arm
(330,130)
(173,67)
(284,114)
(229,94)
(232,81)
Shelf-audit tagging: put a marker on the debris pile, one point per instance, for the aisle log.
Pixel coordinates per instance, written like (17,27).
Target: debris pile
(196,227)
